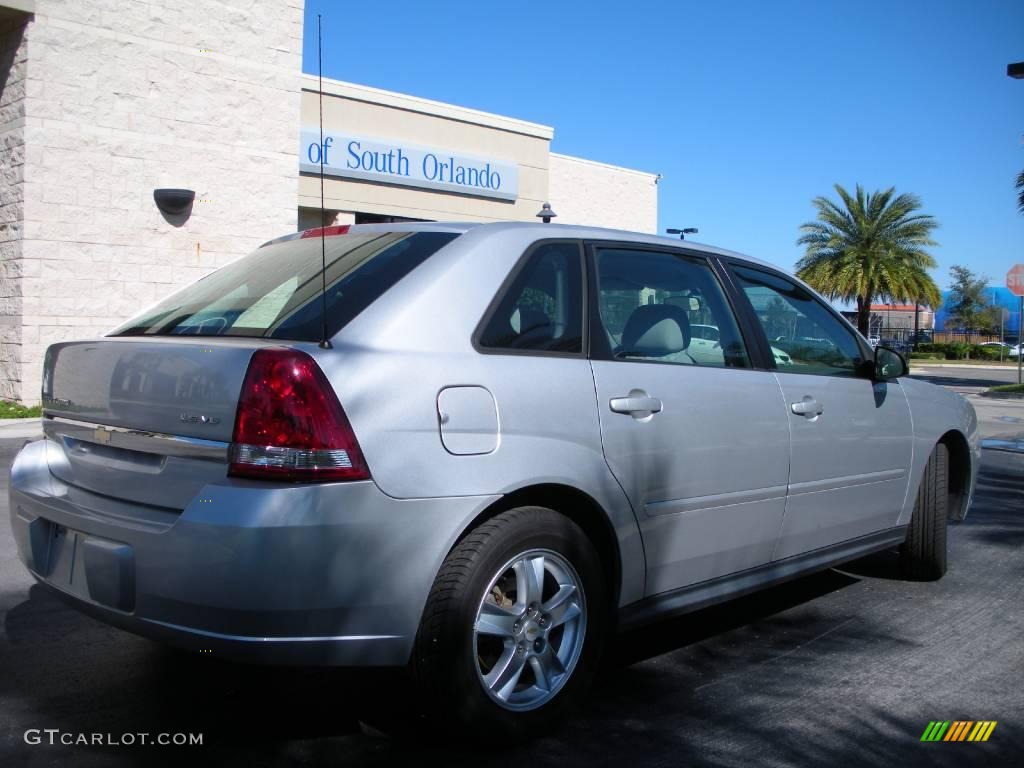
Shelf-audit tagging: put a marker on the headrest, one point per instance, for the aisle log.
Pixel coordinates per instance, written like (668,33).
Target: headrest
(656,330)
(532,325)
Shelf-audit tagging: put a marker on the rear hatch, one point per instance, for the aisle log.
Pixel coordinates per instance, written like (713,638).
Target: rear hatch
(146,415)
(140,420)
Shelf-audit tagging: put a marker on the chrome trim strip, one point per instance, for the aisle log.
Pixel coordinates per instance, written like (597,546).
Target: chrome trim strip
(835,483)
(732,498)
(713,501)
(255,639)
(57,428)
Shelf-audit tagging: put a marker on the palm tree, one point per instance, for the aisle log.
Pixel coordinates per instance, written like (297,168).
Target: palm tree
(871,246)
(1020,195)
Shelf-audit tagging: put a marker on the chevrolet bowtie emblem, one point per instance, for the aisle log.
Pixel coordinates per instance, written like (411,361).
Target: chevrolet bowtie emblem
(102,436)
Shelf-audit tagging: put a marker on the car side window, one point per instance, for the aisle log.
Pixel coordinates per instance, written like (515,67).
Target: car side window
(542,309)
(805,337)
(663,307)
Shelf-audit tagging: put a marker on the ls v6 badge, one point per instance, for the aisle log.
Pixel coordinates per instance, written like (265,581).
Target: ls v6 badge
(190,419)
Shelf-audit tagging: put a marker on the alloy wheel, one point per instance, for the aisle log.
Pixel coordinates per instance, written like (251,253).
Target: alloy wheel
(529,630)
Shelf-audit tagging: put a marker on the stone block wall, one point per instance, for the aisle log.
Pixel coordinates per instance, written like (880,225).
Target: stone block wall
(121,98)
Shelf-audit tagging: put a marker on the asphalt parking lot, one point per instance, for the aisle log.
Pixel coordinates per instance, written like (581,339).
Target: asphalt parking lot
(844,667)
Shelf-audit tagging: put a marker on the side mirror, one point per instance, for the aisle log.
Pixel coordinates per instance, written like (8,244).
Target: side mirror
(889,364)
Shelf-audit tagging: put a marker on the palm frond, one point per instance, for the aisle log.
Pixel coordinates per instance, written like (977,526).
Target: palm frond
(871,245)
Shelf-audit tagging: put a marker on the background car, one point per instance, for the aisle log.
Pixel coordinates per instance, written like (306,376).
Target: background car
(781,357)
(705,344)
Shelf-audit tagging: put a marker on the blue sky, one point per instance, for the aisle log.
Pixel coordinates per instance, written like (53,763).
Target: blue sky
(748,109)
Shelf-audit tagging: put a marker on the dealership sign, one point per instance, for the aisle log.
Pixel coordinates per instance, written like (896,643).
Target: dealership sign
(392,162)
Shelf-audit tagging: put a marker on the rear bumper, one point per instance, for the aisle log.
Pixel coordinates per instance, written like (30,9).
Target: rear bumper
(333,574)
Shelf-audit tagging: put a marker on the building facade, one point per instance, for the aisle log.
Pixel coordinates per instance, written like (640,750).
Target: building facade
(104,102)
(390,156)
(999,297)
(902,317)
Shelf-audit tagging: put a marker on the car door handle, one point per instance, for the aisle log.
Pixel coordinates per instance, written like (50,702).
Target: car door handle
(636,404)
(808,407)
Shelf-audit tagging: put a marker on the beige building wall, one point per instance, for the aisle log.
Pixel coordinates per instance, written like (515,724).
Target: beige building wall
(13,57)
(373,113)
(122,98)
(580,191)
(596,194)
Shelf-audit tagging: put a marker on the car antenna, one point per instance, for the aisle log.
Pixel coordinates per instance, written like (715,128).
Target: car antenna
(324,341)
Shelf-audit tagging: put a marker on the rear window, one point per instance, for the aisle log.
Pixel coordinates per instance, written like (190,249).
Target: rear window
(274,292)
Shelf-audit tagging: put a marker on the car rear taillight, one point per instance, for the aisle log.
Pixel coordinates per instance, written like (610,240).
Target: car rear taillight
(290,425)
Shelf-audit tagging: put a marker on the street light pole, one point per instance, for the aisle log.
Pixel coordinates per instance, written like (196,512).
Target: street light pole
(682,232)
(1016,71)
(917,323)
(1002,333)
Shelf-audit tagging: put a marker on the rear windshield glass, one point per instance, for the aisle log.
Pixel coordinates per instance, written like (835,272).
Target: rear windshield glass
(274,292)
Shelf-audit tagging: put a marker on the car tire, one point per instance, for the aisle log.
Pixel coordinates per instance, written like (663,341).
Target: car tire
(923,555)
(483,621)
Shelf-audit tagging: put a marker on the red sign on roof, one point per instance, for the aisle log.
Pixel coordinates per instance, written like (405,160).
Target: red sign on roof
(896,308)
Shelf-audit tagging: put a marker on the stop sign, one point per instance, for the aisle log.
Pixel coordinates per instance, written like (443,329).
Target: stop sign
(1015,280)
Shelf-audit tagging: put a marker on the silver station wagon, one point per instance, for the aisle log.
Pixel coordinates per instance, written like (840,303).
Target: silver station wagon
(515,439)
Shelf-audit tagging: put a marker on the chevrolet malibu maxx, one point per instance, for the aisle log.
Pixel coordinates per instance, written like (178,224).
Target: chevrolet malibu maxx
(474,451)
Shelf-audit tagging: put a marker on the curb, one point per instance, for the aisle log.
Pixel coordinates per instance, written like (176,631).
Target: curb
(21,429)
(998,444)
(18,422)
(926,364)
(1002,395)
